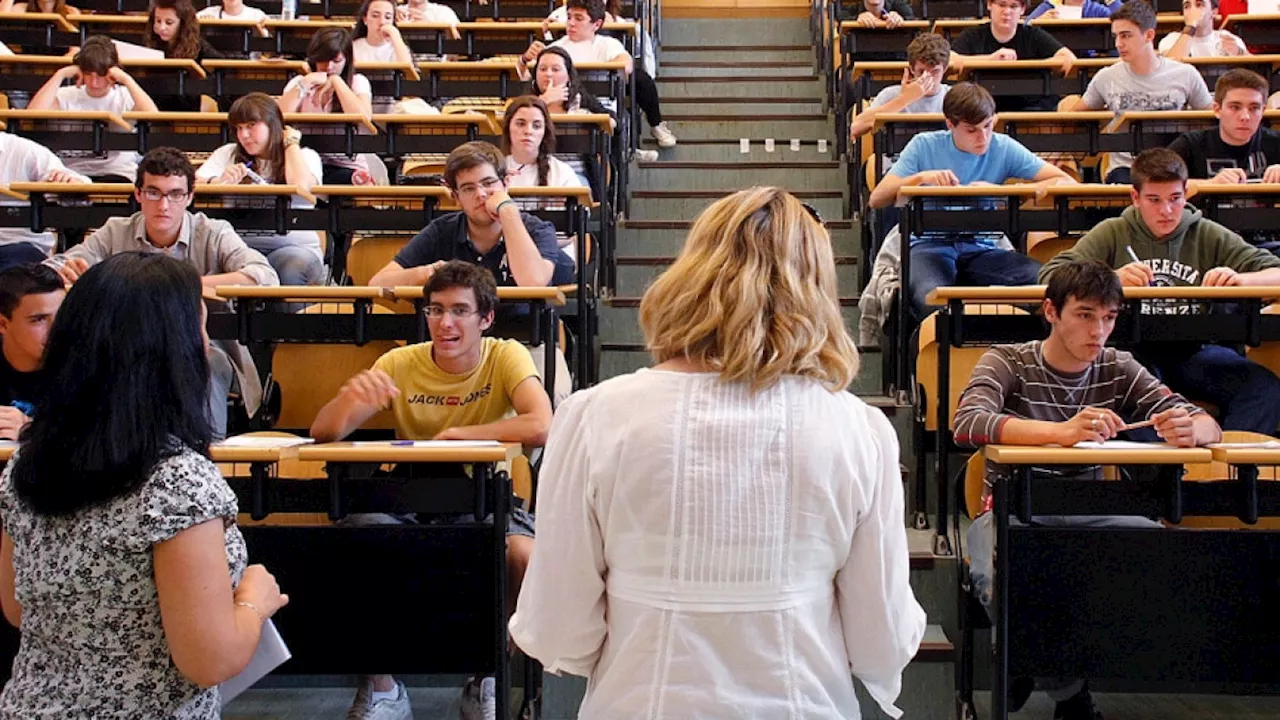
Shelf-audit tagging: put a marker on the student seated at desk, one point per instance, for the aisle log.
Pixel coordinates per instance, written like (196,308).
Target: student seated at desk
(232,10)
(1142,80)
(265,151)
(172,26)
(921,89)
(1240,148)
(1164,242)
(163,191)
(1197,37)
(1088,10)
(891,12)
(59,7)
(555,81)
(1063,390)
(458,386)
(968,152)
(529,139)
(30,296)
(1006,38)
(425,11)
(584,44)
(100,85)
(491,231)
(332,86)
(23,160)
(377,39)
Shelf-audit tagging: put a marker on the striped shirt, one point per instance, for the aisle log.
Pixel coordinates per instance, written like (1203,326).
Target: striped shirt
(1014,381)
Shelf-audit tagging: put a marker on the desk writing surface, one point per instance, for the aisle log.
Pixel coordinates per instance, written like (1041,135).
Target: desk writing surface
(186,64)
(223,454)
(299,66)
(382,191)
(607,65)
(855,26)
(312,25)
(405,67)
(1035,293)
(50,60)
(1019,190)
(300,292)
(1081,117)
(534,26)
(1203,116)
(65,115)
(9,192)
(73,188)
(901,118)
(33,18)
(1238,189)
(1011,65)
(6,449)
(1246,455)
(210,118)
(452,119)
(551,294)
(1087,190)
(331,119)
(1255,18)
(387,452)
(600,120)
(1157,454)
(469,66)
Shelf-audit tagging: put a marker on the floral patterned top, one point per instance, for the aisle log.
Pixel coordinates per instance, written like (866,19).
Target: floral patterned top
(92,642)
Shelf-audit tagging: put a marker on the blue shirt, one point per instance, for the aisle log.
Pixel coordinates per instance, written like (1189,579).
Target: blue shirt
(1090,9)
(1004,159)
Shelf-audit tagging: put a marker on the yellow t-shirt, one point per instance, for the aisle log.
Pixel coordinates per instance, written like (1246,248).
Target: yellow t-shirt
(431,399)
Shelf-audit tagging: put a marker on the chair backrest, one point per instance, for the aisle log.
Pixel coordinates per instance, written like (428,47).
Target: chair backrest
(975,471)
(1042,249)
(309,375)
(963,360)
(368,255)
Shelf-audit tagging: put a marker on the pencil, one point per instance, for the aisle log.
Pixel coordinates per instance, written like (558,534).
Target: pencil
(1135,426)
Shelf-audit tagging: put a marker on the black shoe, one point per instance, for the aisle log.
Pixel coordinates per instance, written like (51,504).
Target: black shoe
(1077,707)
(1020,689)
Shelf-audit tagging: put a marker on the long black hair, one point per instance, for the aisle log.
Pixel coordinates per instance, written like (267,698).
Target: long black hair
(576,90)
(327,44)
(127,385)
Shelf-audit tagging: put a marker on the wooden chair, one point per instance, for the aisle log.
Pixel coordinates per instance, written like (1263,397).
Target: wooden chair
(1042,247)
(963,360)
(1211,472)
(291,469)
(370,254)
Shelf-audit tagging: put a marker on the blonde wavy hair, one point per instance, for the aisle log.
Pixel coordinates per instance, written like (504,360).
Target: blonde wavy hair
(753,296)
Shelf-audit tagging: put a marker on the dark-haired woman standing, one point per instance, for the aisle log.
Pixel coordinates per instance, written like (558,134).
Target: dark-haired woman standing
(120,558)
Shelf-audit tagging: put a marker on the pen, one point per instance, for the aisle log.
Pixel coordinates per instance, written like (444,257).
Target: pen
(1134,256)
(1135,426)
(402,443)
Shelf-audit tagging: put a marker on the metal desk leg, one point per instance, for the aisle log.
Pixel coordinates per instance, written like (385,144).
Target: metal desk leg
(1000,598)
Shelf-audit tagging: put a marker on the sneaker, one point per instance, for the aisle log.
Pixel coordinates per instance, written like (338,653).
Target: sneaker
(479,700)
(364,708)
(663,134)
(1077,707)
(645,156)
(1020,689)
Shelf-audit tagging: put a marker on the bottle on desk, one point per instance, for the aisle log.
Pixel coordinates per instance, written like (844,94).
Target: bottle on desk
(288,9)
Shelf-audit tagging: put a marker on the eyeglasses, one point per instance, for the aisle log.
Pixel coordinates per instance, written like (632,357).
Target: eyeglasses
(470,189)
(155,195)
(457,312)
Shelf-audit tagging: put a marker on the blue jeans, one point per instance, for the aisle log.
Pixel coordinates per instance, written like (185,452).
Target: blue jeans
(296,265)
(221,377)
(1247,394)
(941,263)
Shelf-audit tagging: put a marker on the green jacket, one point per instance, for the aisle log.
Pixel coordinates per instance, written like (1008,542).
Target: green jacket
(1182,258)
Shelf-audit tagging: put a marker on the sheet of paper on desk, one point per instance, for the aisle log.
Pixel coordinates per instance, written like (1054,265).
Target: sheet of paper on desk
(129,51)
(429,443)
(1122,445)
(254,441)
(1269,444)
(271,654)
(1069,12)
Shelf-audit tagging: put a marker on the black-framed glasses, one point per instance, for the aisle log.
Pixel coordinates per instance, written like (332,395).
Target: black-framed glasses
(458,312)
(488,183)
(175,196)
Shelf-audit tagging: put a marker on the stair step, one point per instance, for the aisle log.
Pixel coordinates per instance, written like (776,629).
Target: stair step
(731,31)
(796,117)
(686,224)
(692,149)
(935,648)
(802,165)
(636,274)
(799,89)
(716,194)
(736,64)
(678,206)
(669,242)
(718,79)
(734,48)
(765,71)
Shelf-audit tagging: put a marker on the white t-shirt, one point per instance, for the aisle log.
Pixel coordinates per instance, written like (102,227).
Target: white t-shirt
(432,13)
(23,160)
(1218,43)
(559,174)
(118,101)
(364,52)
(360,86)
(1170,86)
(600,48)
(560,15)
(265,242)
(215,12)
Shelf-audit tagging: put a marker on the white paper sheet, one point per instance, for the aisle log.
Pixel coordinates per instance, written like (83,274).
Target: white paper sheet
(271,654)
(1122,445)
(253,441)
(1069,12)
(129,51)
(1269,444)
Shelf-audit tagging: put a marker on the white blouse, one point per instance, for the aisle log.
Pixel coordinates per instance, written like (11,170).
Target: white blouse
(706,552)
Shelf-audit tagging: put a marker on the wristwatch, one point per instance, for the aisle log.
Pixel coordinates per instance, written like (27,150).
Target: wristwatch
(292,136)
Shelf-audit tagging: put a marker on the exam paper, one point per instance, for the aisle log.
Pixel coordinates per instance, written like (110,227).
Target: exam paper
(271,654)
(1122,445)
(255,441)
(429,443)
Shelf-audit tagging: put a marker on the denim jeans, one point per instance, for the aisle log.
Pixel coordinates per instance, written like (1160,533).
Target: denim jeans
(1246,393)
(940,263)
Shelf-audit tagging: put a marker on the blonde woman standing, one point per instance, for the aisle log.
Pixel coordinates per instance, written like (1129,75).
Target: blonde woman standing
(721,535)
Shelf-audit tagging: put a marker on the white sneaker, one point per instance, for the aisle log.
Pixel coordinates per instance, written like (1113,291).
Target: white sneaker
(479,700)
(645,156)
(364,708)
(663,134)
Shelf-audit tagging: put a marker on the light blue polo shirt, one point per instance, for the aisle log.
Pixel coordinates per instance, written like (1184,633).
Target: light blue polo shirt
(1004,159)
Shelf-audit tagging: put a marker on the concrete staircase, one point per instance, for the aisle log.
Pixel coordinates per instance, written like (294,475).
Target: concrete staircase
(721,81)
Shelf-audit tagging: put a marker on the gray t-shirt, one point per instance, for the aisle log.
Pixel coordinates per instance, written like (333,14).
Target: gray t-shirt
(927,104)
(1171,86)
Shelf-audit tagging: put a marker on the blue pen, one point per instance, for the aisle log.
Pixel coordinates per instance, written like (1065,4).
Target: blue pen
(402,443)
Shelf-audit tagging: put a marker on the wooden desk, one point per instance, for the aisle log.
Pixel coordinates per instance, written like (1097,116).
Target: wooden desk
(968,191)
(235,78)
(1246,455)
(857,40)
(7,448)
(550,295)
(347,452)
(1157,454)
(94,116)
(1255,29)
(1035,293)
(30,72)
(407,69)
(304,292)
(26,18)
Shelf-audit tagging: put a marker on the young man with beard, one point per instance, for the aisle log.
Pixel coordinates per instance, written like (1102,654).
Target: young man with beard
(1162,241)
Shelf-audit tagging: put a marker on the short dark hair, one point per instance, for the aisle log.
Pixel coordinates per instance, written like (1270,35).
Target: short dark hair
(126,385)
(462,274)
(20,281)
(1240,79)
(929,48)
(1084,280)
(594,8)
(97,56)
(470,155)
(1157,165)
(1137,12)
(166,162)
(968,103)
